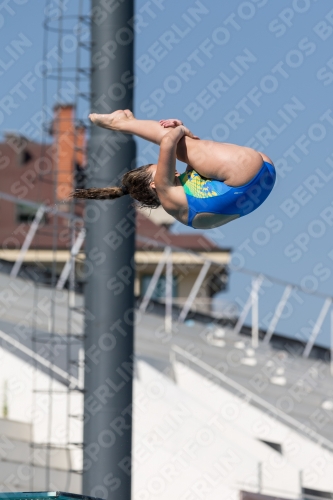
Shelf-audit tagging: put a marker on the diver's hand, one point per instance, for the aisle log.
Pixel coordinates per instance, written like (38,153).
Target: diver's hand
(177,133)
(170,122)
(188,133)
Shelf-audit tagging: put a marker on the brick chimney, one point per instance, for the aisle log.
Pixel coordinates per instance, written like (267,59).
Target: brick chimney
(69,149)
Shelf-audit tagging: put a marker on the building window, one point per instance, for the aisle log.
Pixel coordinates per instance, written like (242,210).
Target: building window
(24,157)
(276,446)
(26,213)
(159,291)
(79,177)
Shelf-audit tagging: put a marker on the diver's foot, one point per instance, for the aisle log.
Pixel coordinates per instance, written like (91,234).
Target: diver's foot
(113,120)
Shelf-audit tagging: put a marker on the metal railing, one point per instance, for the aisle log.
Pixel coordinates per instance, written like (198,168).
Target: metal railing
(73,381)
(166,261)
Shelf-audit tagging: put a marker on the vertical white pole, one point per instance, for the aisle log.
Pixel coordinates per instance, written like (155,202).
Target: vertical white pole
(259,477)
(247,306)
(316,329)
(168,293)
(80,374)
(71,277)
(255,313)
(277,314)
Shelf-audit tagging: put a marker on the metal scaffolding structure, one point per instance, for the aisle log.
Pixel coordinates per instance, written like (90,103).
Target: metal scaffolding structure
(66,82)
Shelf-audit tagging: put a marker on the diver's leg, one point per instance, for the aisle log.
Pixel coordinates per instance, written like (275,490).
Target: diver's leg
(266,158)
(150,130)
(124,121)
(233,164)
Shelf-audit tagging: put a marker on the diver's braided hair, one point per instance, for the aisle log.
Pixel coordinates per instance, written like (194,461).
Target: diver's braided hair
(136,183)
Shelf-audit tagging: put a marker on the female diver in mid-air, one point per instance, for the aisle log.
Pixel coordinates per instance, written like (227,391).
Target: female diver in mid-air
(221,183)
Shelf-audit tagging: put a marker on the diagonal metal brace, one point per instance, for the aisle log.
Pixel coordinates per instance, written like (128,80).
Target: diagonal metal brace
(27,242)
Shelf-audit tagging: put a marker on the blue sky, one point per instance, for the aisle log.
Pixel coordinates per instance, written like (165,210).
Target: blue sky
(257,73)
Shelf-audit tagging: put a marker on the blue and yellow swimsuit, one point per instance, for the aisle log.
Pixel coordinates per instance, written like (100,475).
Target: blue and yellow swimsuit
(213,196)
